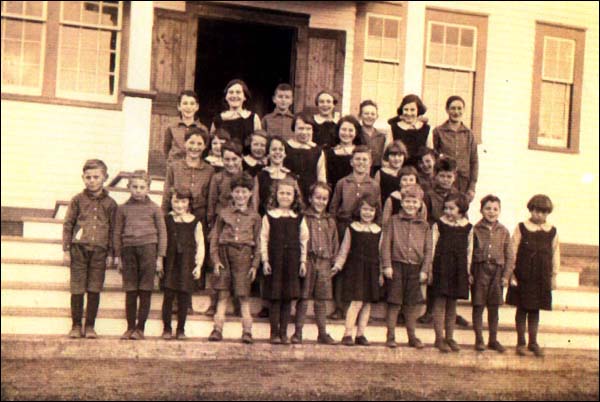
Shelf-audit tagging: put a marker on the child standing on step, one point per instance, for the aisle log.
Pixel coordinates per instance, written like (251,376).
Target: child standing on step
(174,141)
(235,253)
(493,263)
(326,120)
(183,263)
(87,245)
(215,154)
(395,154)
(279,122)
(283,243)
(140,243)
(256,160)
(536,244)
(371,136)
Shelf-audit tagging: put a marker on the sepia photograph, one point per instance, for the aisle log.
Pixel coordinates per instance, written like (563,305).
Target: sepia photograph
(300,200)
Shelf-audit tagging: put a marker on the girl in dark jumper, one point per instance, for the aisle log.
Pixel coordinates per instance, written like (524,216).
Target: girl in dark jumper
(326,120)
(410,127)
(395,154)
(338,157)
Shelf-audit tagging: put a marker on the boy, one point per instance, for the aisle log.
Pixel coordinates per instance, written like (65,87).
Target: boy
(369,135)
(406,252)
(174,142)
(140,243)
(346,195)
(427,158)
(279,122)
(87,245)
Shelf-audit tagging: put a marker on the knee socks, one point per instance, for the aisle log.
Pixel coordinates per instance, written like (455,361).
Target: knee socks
(77,309)
(521,324)
(493,323)
(274,317)
(219,318)
(439,310)
(410,315)
(184,300)
(144,308)
(391,319)
(450,318)
(301,308)
(320,316)
(286,312)
(363,319)
(246,316)
(351,316)
(167,308)
(130,308)
(93,302)
(478,322)
(533,321)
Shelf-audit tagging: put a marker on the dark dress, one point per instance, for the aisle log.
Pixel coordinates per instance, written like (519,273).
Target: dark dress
(252,170)
(265,187)
(181,255)
(388,184)
(325,135)
(533,270)
(303,163)
(338,166)
(450,276)
(284,258)
(413,139)
(239,128)
(361,271)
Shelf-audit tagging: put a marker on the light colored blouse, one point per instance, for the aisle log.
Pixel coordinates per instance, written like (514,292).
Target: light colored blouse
(198,234)
(266,230)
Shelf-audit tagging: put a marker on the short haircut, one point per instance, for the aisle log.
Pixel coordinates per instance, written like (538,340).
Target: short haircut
(408,171)
(540,202)
(413,191)
(181,194)
(452,99)
(232,146)
(140,175)
(305,117)
(188,92)
(275,138)
(395,148)
(257,133)
(325,91)
(421,108)
(247,93)
(199,131)
(284,87)
(95,164)
(371,200)
(490,198)
(359,149)
(242,180)
(461,201)
(297,205)
(423,150)
(445,164)
(357,129)
(365,103)
(321,185)
(221,134)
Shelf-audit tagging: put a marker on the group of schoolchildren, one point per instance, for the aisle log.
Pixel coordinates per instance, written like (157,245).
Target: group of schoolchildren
(318,207)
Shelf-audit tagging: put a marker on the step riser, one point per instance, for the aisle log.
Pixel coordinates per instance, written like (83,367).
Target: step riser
(34,251)
(42,230)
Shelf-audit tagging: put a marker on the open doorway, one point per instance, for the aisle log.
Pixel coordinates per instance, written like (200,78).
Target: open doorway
(261,55)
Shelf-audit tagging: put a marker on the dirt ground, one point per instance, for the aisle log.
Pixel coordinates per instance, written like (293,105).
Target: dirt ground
(230,380)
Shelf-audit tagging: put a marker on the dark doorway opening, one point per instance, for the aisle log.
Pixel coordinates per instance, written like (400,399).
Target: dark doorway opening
(261,55)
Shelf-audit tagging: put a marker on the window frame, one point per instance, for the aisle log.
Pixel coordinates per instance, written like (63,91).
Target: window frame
(563,32)
(473,67)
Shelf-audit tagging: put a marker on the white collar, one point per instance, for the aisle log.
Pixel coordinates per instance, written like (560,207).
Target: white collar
(397,195)
(299,145)
(275,169)
(390,171)
(252,161)
(232,114)
(418,124)
(278,213)
(461,222)
(343,149)
(214,160)
(187,218)
(320,119)
(361,227)
(534,227)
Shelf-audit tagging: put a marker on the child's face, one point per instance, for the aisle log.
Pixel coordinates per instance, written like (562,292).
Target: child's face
(369,115)
(367,213)
(455,111)
(303,131)
(319,199)
(410,112)
(361,162)
(347,133)
(407,180)
(411,205)
(240,196)
(285,196)
(215,146)
(258,146)
(396,160)
(180,205)
(188,107)
(232,162)
(276,153)
(451,211)
(445,179)
(94,179)
(235,97)
(194,146)
(538,217)
(283,100)
(325,105)
(138,188)
(491,211)
(427,164)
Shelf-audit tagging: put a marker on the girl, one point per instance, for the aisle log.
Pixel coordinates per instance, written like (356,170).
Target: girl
(456,141)
(283,241)
(453,243)
(407,176)
(369,135)
(537,263)
(305,158)
(409,126)
(359,258)
(183,263)
(338,157)
(174,143)
(237,120)
(395,154)
(326,120)
(256,159)
(426,167)
(215,155)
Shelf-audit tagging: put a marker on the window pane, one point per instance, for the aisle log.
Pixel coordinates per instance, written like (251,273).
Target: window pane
(467,36)
(91,12)
(452,35)
(437,33)
(370,71)
(13,30)
(88,60)
(554,114)
(32,53)
(12,51)
(386,72)
(69,37)
(465,57)
(389,49)
(13,7)
(89,38)
(391,28)
(451,55)
(110,15)
(34,8)
(436,53)
(87,82)
(33,31)
(68,80)
(439,84)
(72,10)
(373,46)
(10,73)
(69,57)
(31,76)
(375,26)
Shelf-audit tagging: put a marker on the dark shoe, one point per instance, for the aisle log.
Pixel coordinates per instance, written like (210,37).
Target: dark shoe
(497,346)
(297,339)
(127,334)
(461,322)
(536,349)
(285,340)
(336,315)
(210,311)
(362,341)
(425,319)
(391,343)
(442,346)
(90,333)
(215,336)
(247,338)
(180,336)
(453,345)
(326,339)
(263,313)
(521,350)
(167,335)
(347,341)
(415,343)
(76,332)
(479,345)
(275,340)
(137,335)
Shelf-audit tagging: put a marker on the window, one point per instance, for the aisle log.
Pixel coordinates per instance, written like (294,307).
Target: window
(556,88)
(381,69)
(62,50)
(23,42)
(454,65)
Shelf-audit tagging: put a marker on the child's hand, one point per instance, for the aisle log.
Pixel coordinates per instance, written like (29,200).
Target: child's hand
(218,268)
(381,280)
(388,272)
(159,267)
(470,195)
(266,268)
(471,280)
(424,119)
(513,281)
(423,277)
(66,258)
(504,282)
(554,286)
(197,271)
(119,264)
(302,269)
(109,261)
(335,270)
(252,274)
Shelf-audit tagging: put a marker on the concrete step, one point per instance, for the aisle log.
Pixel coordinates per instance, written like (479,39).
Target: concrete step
(42,228)
(14,247)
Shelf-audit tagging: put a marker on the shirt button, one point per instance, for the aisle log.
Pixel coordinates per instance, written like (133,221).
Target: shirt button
(358,194)
(319,229)
(236,238)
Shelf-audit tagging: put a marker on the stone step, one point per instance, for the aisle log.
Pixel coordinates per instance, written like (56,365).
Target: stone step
(42,228)
(14,247)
